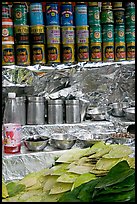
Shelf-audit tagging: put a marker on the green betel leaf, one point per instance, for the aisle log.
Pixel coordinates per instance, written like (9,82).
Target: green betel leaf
(14,188)
(60,188)
(50,181)
(4,190)
(80,169)
(106,163)
(67,177)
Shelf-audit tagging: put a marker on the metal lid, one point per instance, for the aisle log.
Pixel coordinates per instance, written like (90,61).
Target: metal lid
(55,102)
(36,99)
(72,102)
(20,98)
(11,95)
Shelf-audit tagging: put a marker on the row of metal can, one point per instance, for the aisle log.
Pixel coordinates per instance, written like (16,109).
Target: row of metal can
(56,53)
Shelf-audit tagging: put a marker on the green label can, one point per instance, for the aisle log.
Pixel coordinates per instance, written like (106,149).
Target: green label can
(130,47)
(21,33)
(130,34)
(108,51)
(23,55)
(93,15)
(68,54)
(95,54)
(95,33)
(120,51)
(38,54)
(106,16)
(20,14)
(8,55)
(108,33)
(130,16)
(7,31)
(53,52)
(37,34)
(82,52)
(119,33)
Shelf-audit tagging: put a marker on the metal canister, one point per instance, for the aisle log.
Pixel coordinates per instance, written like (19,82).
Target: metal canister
(95,54)
(66,15)
(108,33)
(68,54)
(130,34)
(7,31)
(82,34)
(21,105)
(53,53)
(120,51)
(130,16)
(95,33)
(5,11)
(119,15)
(108,51)
(83,52)
(23,55)
(130,48)
(36,14)
(8,55)
(55,111)
(52,14)
(53,34)
(68,34)
(93,15)
(38,54)
(37,34)
(20,13)
(81,17)
(21,33)
(119,33)
(106,16)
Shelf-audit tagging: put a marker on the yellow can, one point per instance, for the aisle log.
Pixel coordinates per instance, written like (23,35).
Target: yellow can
(8,55)
(68,54)
(23,55)
(53,53)
(95,54)
(108,51)
(130,47)
(38,54)
(21,33)
(53,34)
(82,52)
(37,33)
(82,34)
(68,34)
(120,51)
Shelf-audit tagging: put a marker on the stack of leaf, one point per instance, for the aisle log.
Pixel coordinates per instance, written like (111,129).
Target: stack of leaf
(72,170)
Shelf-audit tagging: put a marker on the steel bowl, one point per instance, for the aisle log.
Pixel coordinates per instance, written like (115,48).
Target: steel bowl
(98,113)
(118,108)
(62,141)
(130,113)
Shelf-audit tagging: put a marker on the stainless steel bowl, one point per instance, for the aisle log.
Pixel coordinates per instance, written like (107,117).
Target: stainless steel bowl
(98,113)
(118,108)
(130,113)
(35,144)
(62,141)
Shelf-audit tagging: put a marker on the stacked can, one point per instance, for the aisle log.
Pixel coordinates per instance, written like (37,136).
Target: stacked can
(53,33)
(130,30)
(107,22)
(82,32)
(67,33)
(7,37)
(37,34)
(95,36)
(119,31)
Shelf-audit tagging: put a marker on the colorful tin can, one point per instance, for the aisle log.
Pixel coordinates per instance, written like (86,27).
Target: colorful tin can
(53,34)
(21,33)
(95,54)
(68,34)
(23,55)
(7,31)
(130,16)
(20,14)
(117,4)
(68,54)
(119,33)
(83,52)
(53,52)
(93,15)
(82,34)
(120,51)
(106,16)
(66,15)
(36,14)
(52,14)
(108,33)
(37,34)
(8,55)
(119,15)
(108,51)
(130,47)
(5,11)
(130,34)
(38,54)
(81,17)
(95,33)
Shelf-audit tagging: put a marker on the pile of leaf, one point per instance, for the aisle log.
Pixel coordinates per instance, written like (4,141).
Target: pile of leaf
(72,170)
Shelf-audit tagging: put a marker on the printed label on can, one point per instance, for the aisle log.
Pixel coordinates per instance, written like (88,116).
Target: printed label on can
(82,34)
(53,53)
(119,16)
(52,14)
(7,31)
(68,53)
(20,15)
(130,51)
(8,55)
(108,33)
(53,34)
(95,33)
(120,51)
(38,54)
(81,15)
(120,33)
(130,34)
(37,34)
(66,15)
(5,11)
(130,16)
(36,14)
(107,16)
(68,35)
(23,54)
(21,34)
(95,52)
(108,52)
(93,15)
(82,53)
